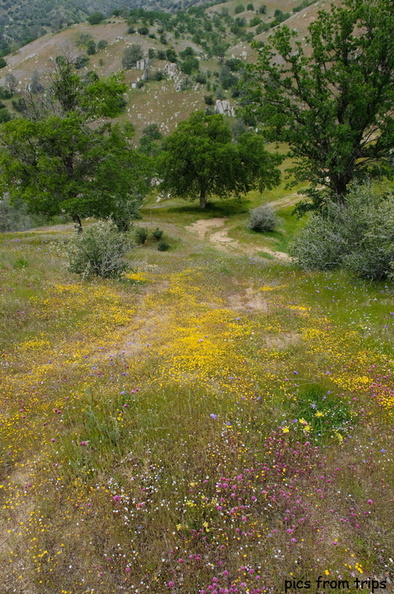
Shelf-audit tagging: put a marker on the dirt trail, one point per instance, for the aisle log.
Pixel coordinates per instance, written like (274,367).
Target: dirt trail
(221,239)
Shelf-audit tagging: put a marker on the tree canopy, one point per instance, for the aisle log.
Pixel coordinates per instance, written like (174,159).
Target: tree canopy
(331,96)
(60,158)
(200,160)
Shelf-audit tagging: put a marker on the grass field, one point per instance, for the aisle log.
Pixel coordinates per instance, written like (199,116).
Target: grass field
(213,422)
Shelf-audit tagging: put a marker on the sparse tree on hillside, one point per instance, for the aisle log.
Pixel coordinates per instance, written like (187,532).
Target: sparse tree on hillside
(56,162)
(200,160)
(331,96)
(131,56)
(10,82)
(96,18)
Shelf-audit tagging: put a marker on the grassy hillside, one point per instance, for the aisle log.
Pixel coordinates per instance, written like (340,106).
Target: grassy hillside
(217,421)
(159,91)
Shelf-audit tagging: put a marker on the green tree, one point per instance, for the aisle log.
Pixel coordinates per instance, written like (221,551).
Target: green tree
(96,18)
(56,161)
(330,97)
(200,160)
(132,55)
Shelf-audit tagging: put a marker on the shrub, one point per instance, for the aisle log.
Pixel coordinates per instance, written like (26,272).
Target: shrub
(14,216)
(320,245)
(157,234)
(99,251)
(102,44)
(263,218)
(141,235)
(163,246)
(357,236)
(81,61)
(131,56)
(96,18)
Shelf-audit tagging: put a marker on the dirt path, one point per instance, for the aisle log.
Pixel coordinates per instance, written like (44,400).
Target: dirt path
(220,239)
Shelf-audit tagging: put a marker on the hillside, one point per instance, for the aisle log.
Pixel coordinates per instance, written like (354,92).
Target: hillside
(217,421)
(161,91)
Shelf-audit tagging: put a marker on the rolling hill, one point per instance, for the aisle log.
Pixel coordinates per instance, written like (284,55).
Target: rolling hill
(160,91)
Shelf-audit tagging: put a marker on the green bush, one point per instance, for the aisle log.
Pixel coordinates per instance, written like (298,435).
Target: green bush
(15,217)
(141,235)
(96,18)
(102,44)
(357,236)
(163,246)
(99,251)
(263,218)
(320,246)
(157,234)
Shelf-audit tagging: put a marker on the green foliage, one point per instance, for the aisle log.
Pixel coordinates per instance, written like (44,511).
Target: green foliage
(171,55)
(157,234)
(10,86)
(81,61)
(163,246)
(189,65)
(330,96)
(239,8)
(200,78)
(96,18)
(189,51)
(91,48)
(325,413)
(3,63)
(21,262)
(99,251)
(5,115)
(15,216)
(358,236)
(102,44)
(255,21)
(149,140)
(200,160)
(141,235)
(303,5)
(58,163)
(263,218)
(132,55)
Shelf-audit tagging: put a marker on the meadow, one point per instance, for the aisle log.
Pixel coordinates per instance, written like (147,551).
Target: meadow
(214,422)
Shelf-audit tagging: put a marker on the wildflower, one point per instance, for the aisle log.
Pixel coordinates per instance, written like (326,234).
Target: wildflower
(213,416)
(285,429)
(116,498)
(370,501)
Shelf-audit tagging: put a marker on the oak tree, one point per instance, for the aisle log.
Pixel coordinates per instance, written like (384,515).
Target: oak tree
(200,160)
(331,96)
(61,157)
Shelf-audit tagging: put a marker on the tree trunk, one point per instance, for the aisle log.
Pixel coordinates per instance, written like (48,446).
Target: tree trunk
(203,199)
(341,183)
(77,223)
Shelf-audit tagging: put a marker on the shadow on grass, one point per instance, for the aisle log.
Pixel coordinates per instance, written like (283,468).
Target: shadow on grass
(224,208)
